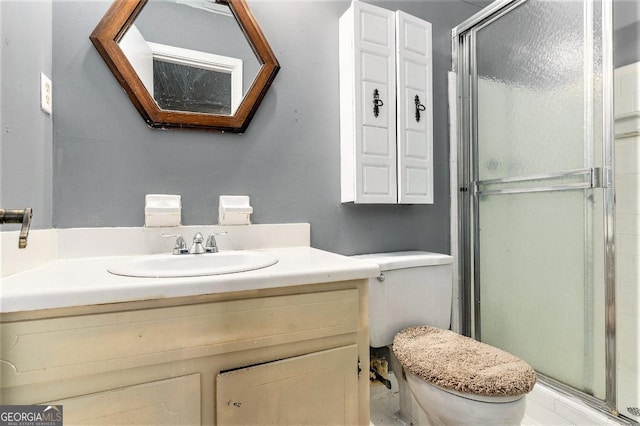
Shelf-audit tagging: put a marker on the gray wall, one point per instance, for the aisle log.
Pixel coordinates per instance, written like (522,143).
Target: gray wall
(106,159)
(626,35)
(25,130)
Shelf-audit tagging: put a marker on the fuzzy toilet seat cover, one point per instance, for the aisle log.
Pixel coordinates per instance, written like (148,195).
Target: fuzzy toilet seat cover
(452,361)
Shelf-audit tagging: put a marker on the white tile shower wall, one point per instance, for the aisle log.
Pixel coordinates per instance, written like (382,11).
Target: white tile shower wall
(627,98)
(627,181)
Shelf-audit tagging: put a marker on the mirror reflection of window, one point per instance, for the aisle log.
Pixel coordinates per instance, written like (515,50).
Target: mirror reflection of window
(184,79)
(179,87)
(194,81)
(194,28)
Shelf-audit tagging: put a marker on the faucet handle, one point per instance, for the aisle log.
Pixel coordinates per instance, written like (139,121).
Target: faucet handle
(211,245)
(180,247)
(196,247)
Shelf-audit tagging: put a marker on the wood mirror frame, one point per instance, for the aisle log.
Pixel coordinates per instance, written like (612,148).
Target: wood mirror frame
(117,21)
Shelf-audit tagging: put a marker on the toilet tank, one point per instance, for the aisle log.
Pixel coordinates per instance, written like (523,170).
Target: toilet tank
(415,288)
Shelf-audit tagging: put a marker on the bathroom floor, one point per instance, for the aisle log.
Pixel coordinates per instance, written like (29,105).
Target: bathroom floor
(542,405)
(385,404)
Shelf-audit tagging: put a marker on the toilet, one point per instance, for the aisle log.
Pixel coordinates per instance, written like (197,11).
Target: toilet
(444,378)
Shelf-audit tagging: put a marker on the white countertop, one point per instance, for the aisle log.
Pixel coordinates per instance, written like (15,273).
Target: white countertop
(85,281)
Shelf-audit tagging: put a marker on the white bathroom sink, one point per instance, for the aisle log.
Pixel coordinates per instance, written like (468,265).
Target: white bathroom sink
(192,265)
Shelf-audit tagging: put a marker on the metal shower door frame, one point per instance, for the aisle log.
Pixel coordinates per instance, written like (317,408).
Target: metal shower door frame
(467,188)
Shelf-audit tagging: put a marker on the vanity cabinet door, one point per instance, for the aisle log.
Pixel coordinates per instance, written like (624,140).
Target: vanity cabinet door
(318,388)
(368,105)
(173,401)
(415,111)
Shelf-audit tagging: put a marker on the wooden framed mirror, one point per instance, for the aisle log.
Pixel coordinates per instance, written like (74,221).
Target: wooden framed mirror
(178,78)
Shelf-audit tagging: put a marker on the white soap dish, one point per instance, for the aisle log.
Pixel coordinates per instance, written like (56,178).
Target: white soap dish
(234,210)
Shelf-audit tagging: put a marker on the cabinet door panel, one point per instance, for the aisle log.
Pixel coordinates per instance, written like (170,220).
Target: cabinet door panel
(415,38)
(416,181)
(374,26)
(416,75)
(375,174)
(374,143)
(415,146)
(309,389)
(374,41)
(166,402)
(375,67)
(376,180)
(415,113)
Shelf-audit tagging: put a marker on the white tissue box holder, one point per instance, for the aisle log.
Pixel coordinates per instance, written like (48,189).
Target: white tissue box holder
(234,210)
(162,210)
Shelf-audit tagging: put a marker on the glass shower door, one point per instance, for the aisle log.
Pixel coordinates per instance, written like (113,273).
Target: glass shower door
(538,205)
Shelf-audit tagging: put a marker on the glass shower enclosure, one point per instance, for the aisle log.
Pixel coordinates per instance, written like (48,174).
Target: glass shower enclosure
(536,187)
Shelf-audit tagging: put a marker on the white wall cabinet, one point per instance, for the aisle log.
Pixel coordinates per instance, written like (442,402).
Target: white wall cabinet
(291,355)
(386,116)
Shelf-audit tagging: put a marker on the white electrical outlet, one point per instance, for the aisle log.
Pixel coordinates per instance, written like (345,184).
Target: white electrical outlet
(46,94)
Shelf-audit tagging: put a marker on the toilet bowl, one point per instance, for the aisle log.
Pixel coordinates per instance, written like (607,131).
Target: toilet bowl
(444,378)
(458,380)
(442,407)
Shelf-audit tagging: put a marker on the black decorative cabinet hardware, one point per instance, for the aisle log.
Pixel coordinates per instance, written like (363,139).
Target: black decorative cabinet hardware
(419,107)
(377,102)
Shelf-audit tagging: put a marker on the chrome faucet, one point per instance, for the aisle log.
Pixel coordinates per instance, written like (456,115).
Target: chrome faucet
(18,216)
(197,247)
(180,247)
(212,246)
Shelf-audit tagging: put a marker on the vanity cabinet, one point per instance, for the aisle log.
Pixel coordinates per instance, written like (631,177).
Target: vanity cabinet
(386,117)
(284,355)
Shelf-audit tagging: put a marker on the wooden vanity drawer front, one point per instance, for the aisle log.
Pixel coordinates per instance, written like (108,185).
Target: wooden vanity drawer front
(57,348)
(166,402)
